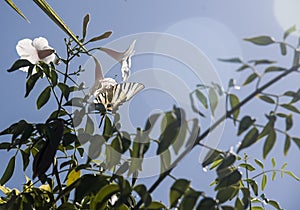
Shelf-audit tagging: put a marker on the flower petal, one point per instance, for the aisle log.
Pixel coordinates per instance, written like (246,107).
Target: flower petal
(26,51)
(41,43)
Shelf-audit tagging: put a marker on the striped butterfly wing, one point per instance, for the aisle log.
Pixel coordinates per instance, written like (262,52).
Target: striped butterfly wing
(119,94)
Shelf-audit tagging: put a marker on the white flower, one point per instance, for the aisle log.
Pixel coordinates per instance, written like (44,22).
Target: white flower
(123,57)
(35,51)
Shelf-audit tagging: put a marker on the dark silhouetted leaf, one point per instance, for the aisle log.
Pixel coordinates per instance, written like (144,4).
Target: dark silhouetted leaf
(19,64)
(189,199)
(31,81)
(227,161)
(269,143)
(96,143)
(103,196)
(53,77)
(64,89)
(177,190)
(25,157)
(245,123)
(207,204)
(226,194)
(262,61)
(211,156)
(108,128)
(8,171)
(274,204)
(261,40)
(144,194)
(249,139)
(44,97)
(229,180)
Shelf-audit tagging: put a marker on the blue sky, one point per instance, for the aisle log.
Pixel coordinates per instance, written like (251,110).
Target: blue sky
(216,28)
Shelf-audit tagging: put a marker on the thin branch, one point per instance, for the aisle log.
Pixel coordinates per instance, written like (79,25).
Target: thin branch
(214,126)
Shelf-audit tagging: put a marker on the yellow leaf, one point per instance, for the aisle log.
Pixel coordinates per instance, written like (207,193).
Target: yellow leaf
(45,187)
(5,190)
(73,176)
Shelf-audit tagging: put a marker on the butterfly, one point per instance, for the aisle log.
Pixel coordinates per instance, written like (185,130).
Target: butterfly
(118,94)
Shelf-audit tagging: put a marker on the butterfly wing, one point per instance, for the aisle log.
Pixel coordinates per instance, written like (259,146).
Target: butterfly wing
(118,94)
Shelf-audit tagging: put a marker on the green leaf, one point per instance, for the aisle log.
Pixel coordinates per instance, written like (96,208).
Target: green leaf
(102,36)
(269,143)
(67,206)
(19,64)
(229,180)
(64,89)
(234,101)
(44,97)
(12,5)
(73,176)
(202,98)
(263,182)
(274,69)
(177,190)
(25,157)
(189,199)
(86,21)
(243,67)
(144,194)
(211,156)
(207,204)
(245,123)
(274,175)
(290,107)
(289,31)
(113,157)
(257,208)
(227,161)
(273,163)
(250,79)
(226,194)
(253,185)
(296,141)
(96,143)
(289,122)
(247,166)
(287,144)
(266,99)
(31,81)
(108,128)
(8,171)
(274,204)
(239,204)
(53,77)
(89,126)
(249,139)
(231,60)
(261,40)
(283,49)
(213,100)
(227,208)
(104,194)
(292,175)
(155,205)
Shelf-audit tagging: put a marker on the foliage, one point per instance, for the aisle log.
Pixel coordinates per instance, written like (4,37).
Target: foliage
(76,184)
